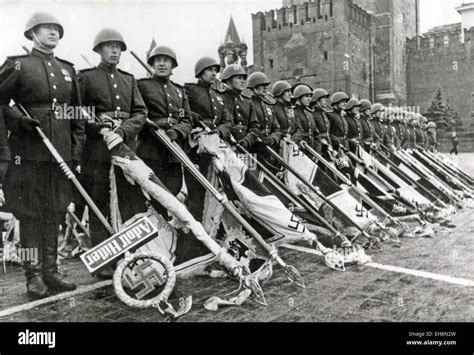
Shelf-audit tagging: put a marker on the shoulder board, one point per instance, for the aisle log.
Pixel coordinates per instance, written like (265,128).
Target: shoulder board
(247,96)
(124,72)
(86,70)
(13,57)
(189,84)
(176,84)
(269,100)
(65,61)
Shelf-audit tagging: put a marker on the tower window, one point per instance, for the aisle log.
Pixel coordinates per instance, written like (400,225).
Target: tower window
(270,63)
(319,10)
(326,55)
(331,8)
(446,40)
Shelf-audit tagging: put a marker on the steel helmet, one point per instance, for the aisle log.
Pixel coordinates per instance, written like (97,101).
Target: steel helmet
(280,87)
(301,90)
(204,63)
(42,18)
(376,108)
(319,93)
(256,79)
(164,51)
(233,70)
(431,124)
(351,104)
(338,97)
(365,105)
(108,35)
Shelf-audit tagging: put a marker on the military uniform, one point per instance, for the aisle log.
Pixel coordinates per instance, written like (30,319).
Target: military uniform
(114,93)
(289,123)
(322,124)
(395,134)
(246,126)
(387,134)
(419,137)
(411,136)
(207,105)
(310,130)
(168,107)
(37,191)
(354,131)
(5,155)
(368,130)
(338,127)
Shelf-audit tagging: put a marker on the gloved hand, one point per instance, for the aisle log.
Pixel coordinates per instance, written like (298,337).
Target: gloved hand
(29,124)
(172,134)
(76,166)
(268,141)
(243,143)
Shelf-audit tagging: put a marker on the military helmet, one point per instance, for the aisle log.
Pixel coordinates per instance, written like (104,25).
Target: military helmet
(164,51)
(365,105)
(376,108)
(204,63)
(108,35)
(318,94)
(42,18)
(233,70)
(280,87)
(301,90)
(256,79)
(351,104)
(338,97)
(431,124)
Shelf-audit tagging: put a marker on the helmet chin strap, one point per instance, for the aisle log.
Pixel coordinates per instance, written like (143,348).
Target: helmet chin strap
(39,45)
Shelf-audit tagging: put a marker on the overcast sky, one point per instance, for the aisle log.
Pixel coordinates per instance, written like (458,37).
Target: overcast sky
(194,28)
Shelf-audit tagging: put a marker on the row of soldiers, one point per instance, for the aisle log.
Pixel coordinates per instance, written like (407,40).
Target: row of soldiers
(41,85)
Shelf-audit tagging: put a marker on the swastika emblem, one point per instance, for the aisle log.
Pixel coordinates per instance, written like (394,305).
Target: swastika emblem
(144,279)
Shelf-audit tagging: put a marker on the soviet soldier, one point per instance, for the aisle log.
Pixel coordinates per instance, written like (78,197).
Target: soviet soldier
(290,126)
(399,132)
(207,106)
(354,131)
(387,129)
(432,137)
(404,126)
(419,136)
(37,191)
(368,131)
(5,155)
(168,109)
(320,106)
(302,94)
(117,102)
(270,132)
(411,133)
(246,126)
(337,120)
(377,111)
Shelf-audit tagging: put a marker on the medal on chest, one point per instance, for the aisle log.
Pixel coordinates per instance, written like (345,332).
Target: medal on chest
(66,75)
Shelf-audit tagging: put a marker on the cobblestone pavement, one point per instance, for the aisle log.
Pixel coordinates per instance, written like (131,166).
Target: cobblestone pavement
(362,293)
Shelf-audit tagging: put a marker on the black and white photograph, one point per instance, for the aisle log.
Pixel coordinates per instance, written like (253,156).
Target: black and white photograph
(237,161)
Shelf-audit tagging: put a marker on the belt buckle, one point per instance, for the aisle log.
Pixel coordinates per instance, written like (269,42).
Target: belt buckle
(115,114)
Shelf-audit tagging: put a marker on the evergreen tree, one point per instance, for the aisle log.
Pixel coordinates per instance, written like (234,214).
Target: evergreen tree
(442,113)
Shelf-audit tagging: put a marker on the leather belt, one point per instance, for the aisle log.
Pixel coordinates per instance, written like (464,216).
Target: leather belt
(116,114)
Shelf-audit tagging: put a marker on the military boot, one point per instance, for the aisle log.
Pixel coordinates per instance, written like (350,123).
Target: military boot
(52,278)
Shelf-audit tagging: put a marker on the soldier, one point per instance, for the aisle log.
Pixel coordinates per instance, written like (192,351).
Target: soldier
(387,129)
(246,127)
(432,137)
(270,132)
(354,131)
(207,106)
(424,123)
(320,106)
(377,112)
(419,136)
(37,191)
(289,124)
(4,154)
(116,100)
(304,114)
(399,132)
(168,109)
(367,125)
(337,120)
(411,133)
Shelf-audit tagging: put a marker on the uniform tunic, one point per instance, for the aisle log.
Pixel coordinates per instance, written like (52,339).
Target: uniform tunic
(339,127)
(310,131)
(289,124)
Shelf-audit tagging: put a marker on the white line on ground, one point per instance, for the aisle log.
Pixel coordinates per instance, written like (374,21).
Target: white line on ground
(59,296)
(402,270)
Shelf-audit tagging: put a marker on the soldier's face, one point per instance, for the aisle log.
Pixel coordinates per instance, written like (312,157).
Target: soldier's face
(110,53)
(47,35)
(261,90)
(341,105)
(163,66)
(209,75)
(323,102)
(305,100)
(355,110)
(286,96)
(237,82)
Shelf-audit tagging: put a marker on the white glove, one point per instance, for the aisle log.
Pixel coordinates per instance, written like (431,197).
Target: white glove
(2,197)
